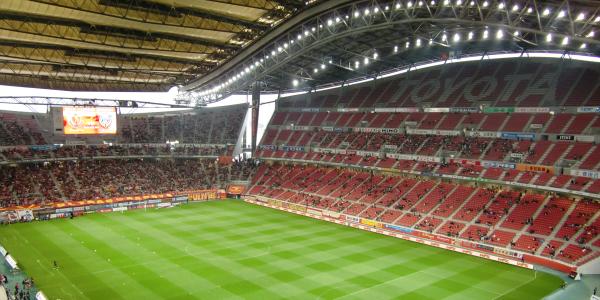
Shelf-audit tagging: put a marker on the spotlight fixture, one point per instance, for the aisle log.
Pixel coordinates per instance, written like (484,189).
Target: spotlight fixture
(499,34)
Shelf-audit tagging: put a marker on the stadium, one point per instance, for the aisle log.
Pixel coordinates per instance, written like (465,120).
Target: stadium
(290,149)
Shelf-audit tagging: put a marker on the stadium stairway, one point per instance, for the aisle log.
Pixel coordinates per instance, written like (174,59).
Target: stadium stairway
(58,185)
(440,202)
(562,221)
(477,216)
(568,124)
(545,155)
(465,201)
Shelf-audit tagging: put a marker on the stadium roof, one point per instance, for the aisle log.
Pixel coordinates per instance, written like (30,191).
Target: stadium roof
(213,48)
(134,45)
(360,40)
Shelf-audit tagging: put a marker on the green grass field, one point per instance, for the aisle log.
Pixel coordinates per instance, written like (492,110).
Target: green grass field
(231,249)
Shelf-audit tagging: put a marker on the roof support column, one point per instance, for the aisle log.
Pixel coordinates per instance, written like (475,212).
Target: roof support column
(255,109)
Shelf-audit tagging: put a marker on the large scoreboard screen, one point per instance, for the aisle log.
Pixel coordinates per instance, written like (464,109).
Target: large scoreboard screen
(89,120)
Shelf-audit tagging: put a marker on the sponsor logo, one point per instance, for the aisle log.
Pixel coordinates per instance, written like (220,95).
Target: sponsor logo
(565,137)
(105,120)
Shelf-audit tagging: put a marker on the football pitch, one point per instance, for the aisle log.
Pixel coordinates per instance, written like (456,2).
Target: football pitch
(234,250)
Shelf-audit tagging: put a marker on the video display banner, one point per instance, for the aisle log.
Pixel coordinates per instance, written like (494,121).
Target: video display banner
(89,120)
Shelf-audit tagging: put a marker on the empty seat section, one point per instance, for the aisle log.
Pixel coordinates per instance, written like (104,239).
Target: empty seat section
(522,214)
(387,162)
(499,207)
(270,135)
(558,123)
(450,121)
(474,233)
(510,175)
(493,173)
(577,219)
(396,193)
(516,122)
(539,149)
(454,200)
(390,215)
(578,151)
(550,215)
(360,96)
(430,121)
(580,123)
(305,139)
(305,119)
(560,181)
(555,153)
(592,161)
(594,187)
(416,194)
(378,90)
(501,238)
(474,206)
(498,150)
(341,122)
(283,137)
(451,228)
(355,120)
(551,248)
(429,224)
(527,176)
(539,121)
(396,120)
(319,119)
(331,119)
(278,118)
(379,188)
(293,118)
(406,165)
(433,198)
(355,209)
(493,122)
(339,205)
(408,219)
(573,253)
(330,101)
(371,213)
(577,183)
(295,138)
(528,243)
(472,121)
(590,233)
(379,120)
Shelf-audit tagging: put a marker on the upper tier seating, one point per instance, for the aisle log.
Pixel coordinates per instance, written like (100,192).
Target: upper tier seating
(466,84)
(20,129)
(221,125)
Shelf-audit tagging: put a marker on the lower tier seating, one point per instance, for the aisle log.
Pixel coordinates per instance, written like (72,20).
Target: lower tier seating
(534,223)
